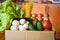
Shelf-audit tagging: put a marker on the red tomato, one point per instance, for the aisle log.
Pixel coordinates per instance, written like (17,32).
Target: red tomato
(46,24)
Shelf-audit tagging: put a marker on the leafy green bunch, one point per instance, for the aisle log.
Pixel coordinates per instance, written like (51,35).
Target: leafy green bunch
(8,11)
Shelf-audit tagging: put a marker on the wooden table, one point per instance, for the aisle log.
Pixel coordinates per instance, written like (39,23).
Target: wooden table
(2,37)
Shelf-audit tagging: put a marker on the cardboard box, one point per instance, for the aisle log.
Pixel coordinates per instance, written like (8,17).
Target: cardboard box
(29,35)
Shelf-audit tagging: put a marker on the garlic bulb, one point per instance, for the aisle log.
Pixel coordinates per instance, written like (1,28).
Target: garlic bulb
(27,22)
(25,25)
(21,28)
(15,23)
(22,21)
(14,28)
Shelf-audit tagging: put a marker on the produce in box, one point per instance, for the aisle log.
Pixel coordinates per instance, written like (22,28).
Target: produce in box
(10,10)
(24,25)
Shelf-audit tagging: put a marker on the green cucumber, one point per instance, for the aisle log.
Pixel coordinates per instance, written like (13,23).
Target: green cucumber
(31,27)
(39,26)
(35,23)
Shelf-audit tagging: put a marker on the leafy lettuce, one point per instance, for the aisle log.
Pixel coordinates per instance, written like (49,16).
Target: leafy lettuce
(8,11)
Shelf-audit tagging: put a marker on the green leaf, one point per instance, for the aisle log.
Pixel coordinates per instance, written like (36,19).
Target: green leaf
(4,21)
(21,13)
(8,11)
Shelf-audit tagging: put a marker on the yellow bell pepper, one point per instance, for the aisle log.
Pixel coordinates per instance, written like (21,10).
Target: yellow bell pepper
(28,8)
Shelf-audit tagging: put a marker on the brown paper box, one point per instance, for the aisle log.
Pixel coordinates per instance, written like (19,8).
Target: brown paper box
(29,35)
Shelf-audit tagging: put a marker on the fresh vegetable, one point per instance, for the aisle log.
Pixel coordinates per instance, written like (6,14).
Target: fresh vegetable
(27,22)
(8,11)
(21,13)
(27,8)
(22,21)
(46,24)
(4,21)
(14,28)
(10,8)
(15,23)
(39,26)
(31,27)
(21,28)
(25,26)
(21,24)
(35,23)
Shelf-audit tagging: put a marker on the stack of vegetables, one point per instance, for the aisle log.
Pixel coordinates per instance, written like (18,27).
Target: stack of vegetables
(43,24)
(43,20)
(21,24)
(9,10)
(24,25)
(33,25)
